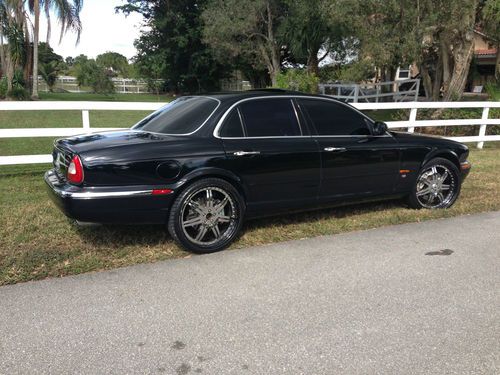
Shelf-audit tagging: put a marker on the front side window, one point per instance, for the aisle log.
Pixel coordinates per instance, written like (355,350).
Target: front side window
(182,116)
(330,118)
(269,118)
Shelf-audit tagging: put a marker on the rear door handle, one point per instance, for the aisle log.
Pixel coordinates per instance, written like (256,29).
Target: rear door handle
(336,149)
(243,153)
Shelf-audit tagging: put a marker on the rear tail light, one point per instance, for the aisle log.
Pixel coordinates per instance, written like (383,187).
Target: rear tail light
(75,171)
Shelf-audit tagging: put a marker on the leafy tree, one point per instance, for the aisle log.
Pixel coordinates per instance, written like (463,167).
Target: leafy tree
(69,61)
(246,30)
(13,39)
(491,23)
(171,46)
(298,80)
(445,39)
(437,34)
(68,16)
(89,73)
(312,32)
(114,62)
(51,64)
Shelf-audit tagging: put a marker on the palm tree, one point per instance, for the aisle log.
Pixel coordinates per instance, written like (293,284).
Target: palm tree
(14,31)
(68,15)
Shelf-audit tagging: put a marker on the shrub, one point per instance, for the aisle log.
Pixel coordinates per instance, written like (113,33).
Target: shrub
(356,72)
(19,93)
(493,90)
(298,80)
(3,88)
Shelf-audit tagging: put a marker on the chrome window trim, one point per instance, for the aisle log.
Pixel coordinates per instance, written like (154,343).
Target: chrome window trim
(183,134)
(294,106)
(221,120)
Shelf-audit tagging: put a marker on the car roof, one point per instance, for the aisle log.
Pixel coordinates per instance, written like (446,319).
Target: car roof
(238,95)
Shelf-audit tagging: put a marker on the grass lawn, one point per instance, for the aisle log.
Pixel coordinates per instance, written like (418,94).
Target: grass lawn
(70,119)
(37,241)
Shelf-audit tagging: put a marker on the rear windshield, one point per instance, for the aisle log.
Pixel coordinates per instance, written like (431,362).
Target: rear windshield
(182,116)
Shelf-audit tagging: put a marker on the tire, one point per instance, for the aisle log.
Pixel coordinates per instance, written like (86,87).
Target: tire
(437,185)
(206,216)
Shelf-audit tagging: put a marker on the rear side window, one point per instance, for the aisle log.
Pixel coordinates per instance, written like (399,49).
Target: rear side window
(182,116)
(232,127)
(330,118)
(269,118)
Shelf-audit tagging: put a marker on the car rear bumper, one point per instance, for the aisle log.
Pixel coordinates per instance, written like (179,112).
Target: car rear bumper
(128,204)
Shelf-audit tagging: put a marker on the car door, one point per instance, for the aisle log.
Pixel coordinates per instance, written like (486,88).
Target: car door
(354,162)
(272,152)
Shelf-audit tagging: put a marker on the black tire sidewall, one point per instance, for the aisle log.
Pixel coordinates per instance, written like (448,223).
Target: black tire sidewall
(413,201)
(174,221)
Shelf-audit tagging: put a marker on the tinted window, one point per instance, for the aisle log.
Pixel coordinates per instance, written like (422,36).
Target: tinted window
(330,118)
(183,115)
(232,126)
(269,118)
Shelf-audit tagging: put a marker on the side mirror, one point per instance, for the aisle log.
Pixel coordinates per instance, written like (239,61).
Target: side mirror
(379,128)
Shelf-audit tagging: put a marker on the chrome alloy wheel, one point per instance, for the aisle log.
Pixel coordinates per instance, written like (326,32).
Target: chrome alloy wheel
(208,216)
(436,187)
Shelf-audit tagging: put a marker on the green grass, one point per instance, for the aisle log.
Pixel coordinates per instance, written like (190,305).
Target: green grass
(68,119)
(56,119)
(38,241)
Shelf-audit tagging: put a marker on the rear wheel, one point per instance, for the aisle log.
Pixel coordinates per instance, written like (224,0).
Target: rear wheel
(207,216)
(437,185)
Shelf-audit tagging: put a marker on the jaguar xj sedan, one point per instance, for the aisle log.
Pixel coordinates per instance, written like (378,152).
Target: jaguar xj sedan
(201,165)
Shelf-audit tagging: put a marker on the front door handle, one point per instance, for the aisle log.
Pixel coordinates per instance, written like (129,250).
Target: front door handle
(243,153)
(337,149)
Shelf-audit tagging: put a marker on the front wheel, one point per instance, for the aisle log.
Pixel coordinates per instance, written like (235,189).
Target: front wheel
(207,216)
(437,185)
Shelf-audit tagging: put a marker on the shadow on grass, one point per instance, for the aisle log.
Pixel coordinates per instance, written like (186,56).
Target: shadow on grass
(321,214)
(117,236)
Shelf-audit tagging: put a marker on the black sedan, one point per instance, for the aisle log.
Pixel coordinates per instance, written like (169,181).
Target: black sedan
(203,164)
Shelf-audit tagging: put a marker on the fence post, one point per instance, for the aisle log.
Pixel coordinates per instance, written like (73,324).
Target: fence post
(86,119)
(417,90)
(412,119)
(482,128)
(356,93)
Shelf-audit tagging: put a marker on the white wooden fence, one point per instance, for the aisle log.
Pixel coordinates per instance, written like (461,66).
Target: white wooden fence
(85,107)
(393,91)
(122,85)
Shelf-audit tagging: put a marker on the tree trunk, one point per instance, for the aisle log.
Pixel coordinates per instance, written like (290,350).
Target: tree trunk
(7,66)
(442,71)
(497,64)
(313,63)
(462,56)
(426,81)
(2,56)
(28,66)
(272,47)
(36,35)
(444,58)
(275,69)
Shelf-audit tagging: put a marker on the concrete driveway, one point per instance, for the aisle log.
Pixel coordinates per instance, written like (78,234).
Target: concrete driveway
(411,299)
